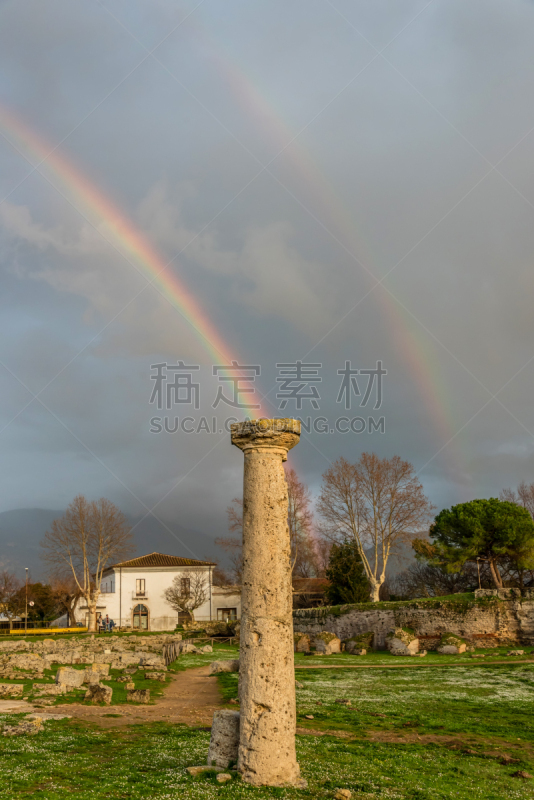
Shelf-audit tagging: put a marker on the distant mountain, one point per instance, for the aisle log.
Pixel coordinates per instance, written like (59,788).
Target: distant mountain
(22,529)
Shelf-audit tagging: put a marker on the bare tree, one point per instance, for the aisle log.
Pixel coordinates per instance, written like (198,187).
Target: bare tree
(306,555)
(426,580)
(66,594)
(524,496)
(323,546)
(11,597)
(81,544)
(378,502)
(220,577)
(233,545)
(187,592)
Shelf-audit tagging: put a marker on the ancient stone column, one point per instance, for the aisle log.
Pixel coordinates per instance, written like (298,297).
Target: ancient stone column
(266,670)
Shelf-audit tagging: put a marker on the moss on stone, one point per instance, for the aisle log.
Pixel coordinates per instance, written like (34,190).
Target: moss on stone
(405,635)
(325,636)
(459,603)
(363,640)
(452,639)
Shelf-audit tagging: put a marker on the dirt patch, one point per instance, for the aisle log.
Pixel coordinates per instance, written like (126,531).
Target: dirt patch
(191,698)
(314,732)
(461,743)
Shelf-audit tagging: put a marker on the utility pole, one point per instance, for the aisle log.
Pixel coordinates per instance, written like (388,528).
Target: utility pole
(478,567)
(26,617)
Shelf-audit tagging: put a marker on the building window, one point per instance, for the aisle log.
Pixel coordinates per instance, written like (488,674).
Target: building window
(185,587)
(140,586)
(225,614)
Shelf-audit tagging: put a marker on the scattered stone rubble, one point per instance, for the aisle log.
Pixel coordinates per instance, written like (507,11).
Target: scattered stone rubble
(155,676)
(138,695)
(25,727)
(20,660)
(326,643)
(402,642)
(230,665)
(97,693)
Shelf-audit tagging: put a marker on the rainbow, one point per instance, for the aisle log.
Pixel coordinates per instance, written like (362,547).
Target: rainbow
(414,343)
(119,231)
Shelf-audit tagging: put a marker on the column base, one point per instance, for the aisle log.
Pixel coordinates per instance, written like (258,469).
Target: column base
(298,783)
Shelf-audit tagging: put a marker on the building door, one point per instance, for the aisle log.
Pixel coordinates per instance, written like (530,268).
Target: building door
(140,618)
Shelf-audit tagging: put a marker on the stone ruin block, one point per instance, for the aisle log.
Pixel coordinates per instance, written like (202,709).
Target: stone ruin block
(451,645)
(7,647)
(138,696)
(230,665)
(326,643)
(402,642)
(45,689)
(11,689)
(29,661)
(187,647)
(155,676)
(71,678)
(224,742)
(27,727)
(95,672)
(302,642)
(55,658)
(358,645)
(152,661)
(502,594)
(97,693)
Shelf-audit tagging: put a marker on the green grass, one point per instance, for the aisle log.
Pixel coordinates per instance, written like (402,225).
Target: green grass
(221,652)
(481,706)
(385,658)
(149,761)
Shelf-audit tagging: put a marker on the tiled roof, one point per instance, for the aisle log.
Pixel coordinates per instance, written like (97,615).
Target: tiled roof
(162,560)
(310,585)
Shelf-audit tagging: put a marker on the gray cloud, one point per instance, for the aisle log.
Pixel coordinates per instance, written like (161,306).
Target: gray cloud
(392,170)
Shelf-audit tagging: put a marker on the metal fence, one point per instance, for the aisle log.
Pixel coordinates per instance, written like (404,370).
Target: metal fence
(18,627)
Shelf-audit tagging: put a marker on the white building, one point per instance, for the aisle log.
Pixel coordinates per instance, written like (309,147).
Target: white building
(132,593)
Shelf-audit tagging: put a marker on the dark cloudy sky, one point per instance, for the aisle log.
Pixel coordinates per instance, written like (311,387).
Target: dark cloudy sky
(331,181)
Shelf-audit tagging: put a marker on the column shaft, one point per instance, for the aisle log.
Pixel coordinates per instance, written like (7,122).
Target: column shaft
(266,673)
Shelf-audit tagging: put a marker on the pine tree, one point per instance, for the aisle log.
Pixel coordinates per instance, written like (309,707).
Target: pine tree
(348,582)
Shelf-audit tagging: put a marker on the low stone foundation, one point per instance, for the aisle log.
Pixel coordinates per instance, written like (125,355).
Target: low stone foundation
(487,620)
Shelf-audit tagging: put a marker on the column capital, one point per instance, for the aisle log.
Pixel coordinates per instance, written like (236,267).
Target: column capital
(266,434)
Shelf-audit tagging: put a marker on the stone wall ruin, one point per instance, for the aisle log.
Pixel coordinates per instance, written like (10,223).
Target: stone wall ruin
(487,620)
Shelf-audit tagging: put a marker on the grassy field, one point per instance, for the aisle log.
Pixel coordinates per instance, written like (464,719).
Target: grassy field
(409,734)
(385,658)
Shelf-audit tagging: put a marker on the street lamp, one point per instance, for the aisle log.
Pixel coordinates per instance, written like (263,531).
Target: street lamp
(478,568)
(26,617)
